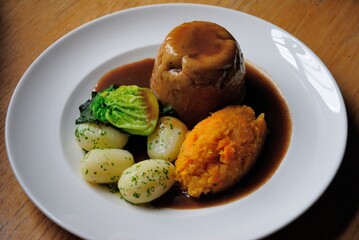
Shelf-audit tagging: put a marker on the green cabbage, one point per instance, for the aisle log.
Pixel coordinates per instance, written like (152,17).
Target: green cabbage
(131,108)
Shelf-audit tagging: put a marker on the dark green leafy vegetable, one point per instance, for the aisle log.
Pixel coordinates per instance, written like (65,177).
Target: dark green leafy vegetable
(167,111)
(130,108)
(85,113)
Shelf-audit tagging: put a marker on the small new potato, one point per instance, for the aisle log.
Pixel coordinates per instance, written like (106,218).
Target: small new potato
(165,142)
(146,180)
(105,165)
(92,136)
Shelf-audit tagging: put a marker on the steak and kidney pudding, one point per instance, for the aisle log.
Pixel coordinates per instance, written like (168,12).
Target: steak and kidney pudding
(199,69)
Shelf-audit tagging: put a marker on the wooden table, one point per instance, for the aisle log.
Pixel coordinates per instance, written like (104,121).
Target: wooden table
(329,28)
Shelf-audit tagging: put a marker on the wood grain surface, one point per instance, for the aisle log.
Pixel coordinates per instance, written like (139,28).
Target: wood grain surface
(329,27)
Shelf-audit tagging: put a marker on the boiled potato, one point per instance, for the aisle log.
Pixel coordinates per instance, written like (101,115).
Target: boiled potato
(146,180)
(165,142)
(105,165)
(92,136)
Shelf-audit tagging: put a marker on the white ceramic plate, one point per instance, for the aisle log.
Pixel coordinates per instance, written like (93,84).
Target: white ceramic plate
(45,158)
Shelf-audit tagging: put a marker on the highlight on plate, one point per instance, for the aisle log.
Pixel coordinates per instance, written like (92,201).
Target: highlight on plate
(185,129)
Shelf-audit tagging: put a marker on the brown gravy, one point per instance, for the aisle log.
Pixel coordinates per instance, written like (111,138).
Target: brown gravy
(137,73)
(261,94)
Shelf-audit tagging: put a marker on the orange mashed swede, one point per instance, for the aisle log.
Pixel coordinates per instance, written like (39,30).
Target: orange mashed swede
(220,150)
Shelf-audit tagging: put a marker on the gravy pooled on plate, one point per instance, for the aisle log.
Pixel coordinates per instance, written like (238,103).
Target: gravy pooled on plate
(261,94)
